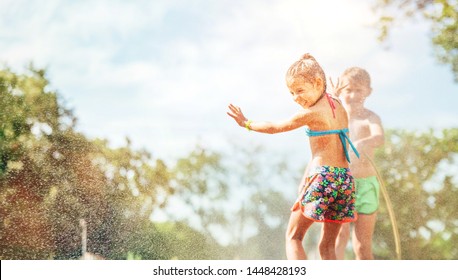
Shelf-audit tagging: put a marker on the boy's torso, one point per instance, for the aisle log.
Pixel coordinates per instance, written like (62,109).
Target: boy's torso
(360,129)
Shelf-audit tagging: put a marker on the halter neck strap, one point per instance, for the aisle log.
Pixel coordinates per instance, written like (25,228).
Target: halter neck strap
(332,104)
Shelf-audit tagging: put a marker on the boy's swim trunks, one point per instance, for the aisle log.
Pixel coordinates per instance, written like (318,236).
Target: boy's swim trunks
(367,195)
(328,196)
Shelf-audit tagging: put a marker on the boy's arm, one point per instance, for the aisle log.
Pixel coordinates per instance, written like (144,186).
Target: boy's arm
(299,119)
(377,135)
(337,88)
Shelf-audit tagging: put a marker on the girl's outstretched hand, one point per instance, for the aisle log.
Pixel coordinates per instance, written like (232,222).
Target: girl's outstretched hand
(237,115)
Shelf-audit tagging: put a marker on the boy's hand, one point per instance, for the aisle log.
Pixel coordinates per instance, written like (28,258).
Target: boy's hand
(337,88)
(237,115)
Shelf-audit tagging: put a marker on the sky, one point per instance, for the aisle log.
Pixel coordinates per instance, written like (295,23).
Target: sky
(163,72)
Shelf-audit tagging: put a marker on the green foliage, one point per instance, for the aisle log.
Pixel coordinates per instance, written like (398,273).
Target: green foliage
(419,170)
(52,176)
(265,188)
(165,241)
(443,16)
(199,180)
(268,212)
(446,30)
(31,127)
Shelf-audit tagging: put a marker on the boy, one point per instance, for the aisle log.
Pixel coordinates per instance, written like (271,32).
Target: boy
(367,134)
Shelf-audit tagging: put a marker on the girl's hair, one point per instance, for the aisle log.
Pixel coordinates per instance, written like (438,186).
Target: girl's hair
(358,75)
(308,68)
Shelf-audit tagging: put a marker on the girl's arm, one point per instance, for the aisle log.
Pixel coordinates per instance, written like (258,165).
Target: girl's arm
(298,120)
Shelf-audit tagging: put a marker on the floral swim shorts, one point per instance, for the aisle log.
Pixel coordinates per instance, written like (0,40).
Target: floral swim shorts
(328,196)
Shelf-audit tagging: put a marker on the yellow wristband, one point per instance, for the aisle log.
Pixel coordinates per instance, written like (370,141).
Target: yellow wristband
(247,125)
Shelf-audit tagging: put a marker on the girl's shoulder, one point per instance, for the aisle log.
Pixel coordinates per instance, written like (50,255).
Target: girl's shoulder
(313,117)
(308,113)
(327,117)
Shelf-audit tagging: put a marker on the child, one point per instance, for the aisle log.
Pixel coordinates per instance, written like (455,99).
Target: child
(366,131)
(328,195)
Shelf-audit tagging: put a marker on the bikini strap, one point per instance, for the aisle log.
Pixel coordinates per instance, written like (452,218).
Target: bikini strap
(331,103)
(344,139)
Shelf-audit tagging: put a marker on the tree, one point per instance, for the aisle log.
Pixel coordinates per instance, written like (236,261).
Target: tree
(30,120)
(197,186)
(265,188)
(199,180)
(443,16)
(419,170)
(52,176)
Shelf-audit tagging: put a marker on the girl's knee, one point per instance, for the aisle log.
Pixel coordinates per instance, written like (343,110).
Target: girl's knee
(327,245)
(343,236)
(345,231)
(294,235)
(327,250)
(297,227)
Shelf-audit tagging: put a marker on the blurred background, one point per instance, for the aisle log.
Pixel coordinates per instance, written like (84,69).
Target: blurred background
(115,144)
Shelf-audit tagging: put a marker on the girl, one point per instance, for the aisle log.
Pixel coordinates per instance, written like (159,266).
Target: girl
(328,193)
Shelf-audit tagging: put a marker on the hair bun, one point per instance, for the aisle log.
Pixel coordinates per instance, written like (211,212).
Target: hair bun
(307,56)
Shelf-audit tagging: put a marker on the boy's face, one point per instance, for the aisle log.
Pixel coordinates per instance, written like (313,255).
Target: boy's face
(304,93)
(354,92)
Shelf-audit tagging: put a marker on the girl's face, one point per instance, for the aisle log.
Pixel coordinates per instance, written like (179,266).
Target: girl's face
(304,93)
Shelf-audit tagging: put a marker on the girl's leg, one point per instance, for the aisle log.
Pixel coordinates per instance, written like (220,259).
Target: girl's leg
(327,245)
(342,240)
(297,227)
